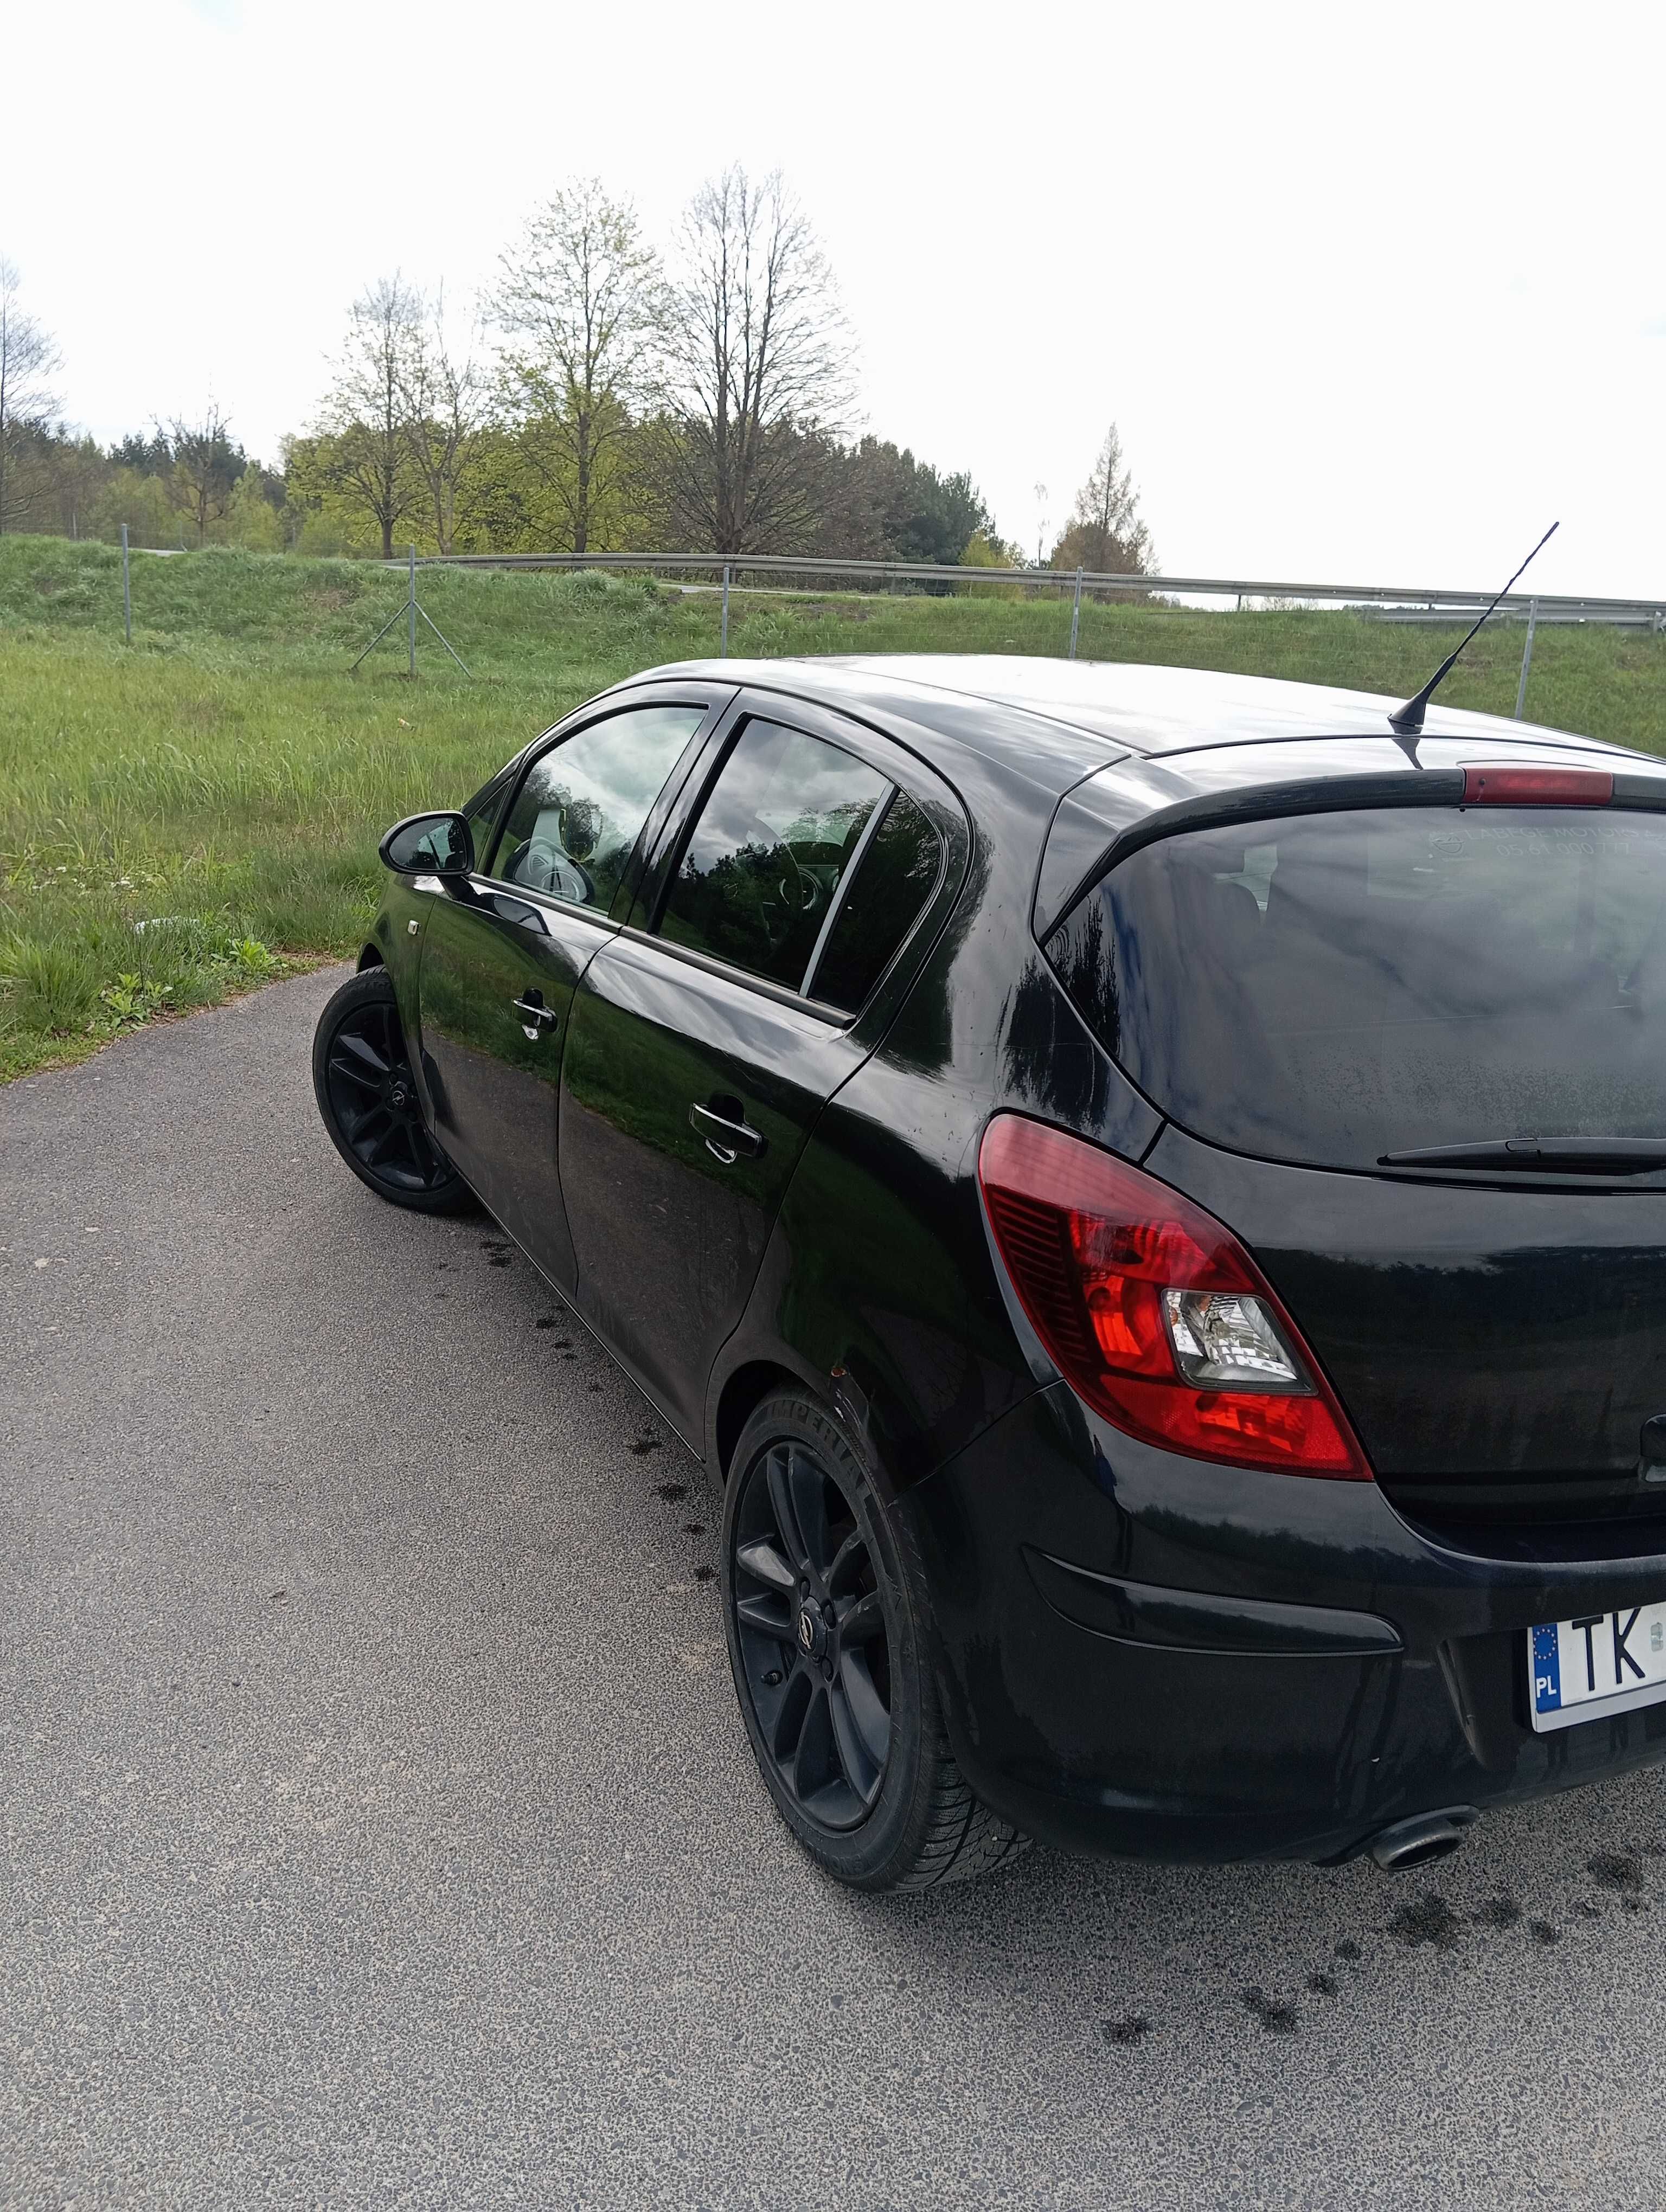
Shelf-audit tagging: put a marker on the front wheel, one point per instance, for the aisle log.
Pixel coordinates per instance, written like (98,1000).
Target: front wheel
(367,1096)
(828,1648)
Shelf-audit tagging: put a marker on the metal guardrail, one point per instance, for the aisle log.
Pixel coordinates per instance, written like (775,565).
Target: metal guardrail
(1407,601)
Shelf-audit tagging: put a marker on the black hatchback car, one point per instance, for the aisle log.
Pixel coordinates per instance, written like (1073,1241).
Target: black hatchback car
(1146,1189)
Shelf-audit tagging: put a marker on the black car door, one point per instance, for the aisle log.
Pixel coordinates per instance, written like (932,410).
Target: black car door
(705,1038)
(502,949)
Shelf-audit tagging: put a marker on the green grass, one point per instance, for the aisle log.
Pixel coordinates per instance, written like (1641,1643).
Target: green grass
(225,781)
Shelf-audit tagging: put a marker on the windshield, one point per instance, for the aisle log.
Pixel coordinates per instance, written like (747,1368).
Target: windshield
(1331,987)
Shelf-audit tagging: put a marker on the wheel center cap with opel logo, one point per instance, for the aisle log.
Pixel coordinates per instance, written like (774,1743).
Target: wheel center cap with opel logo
(812,1633)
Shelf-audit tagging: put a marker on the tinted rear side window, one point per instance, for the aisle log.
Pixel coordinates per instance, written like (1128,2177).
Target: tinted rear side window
(1331,987)
(762,866)
(897,873)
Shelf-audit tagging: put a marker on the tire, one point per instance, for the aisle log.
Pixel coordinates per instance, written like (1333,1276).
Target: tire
(827,1637)
(366,1096)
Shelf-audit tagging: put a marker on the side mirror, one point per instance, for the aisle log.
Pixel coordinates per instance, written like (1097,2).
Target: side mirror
(428,845)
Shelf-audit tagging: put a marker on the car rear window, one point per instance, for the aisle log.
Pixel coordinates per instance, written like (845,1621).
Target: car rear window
(1328,989)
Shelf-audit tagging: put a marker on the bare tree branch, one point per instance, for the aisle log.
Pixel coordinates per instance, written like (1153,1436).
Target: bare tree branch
(442,395)
(207,463)
(364,416)
(756,368)
(28,361)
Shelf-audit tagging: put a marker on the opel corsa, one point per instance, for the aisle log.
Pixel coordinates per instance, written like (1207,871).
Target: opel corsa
(1146,1189)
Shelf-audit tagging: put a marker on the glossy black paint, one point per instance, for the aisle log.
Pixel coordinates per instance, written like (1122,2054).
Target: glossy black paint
(495,985)
(1101,1732)
(1499,1349)
(440,843)
(1139,1652)
(670,1220)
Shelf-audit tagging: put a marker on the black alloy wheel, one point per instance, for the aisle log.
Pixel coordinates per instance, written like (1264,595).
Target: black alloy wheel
(814,1643)
(828,1647)
(367,1097)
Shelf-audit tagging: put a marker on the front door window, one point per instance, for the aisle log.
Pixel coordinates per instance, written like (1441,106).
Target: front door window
(577,816)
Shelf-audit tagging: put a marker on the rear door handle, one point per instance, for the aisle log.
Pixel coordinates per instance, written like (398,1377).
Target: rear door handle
(726,1138)
(535,1016)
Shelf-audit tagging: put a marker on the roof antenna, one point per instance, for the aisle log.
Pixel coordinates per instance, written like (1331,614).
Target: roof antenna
(1407,721)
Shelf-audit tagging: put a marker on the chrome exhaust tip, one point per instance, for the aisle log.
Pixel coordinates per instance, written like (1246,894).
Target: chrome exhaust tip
(1423,1839)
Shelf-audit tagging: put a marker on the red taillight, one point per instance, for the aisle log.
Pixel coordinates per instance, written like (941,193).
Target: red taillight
(1537,787)
(1140,1297)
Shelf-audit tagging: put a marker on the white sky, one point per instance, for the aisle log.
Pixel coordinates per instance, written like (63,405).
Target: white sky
(1374,293)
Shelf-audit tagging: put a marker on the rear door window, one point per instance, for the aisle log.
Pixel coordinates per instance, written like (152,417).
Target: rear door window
(577,816)
(1329,989)
(896,876)
(759,876)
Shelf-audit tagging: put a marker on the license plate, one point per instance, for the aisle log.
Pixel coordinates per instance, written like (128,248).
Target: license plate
(1597,1663)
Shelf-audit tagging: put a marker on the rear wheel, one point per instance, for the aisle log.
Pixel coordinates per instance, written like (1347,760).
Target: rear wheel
(367,1096)
(827,1643)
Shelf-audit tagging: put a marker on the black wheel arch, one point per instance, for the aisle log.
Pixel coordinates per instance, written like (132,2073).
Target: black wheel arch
(738,1394)
(756,1365)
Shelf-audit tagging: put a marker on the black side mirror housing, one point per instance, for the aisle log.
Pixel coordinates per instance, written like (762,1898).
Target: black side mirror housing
(430,845)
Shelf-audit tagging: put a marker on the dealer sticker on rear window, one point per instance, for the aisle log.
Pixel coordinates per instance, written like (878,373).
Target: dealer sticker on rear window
(1596,1663)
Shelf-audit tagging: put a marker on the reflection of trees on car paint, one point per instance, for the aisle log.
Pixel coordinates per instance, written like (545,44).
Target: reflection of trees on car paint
(635,1076)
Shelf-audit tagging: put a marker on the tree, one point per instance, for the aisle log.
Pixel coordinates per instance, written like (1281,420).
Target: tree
(146,457)
(984,551)
(1106,533)
(755,373)
(927,516)
(28,360)
(207,463)
(581,296)
(51,478)
(138,498)
(443,398)
(365,445)
(254,517)
(883,504)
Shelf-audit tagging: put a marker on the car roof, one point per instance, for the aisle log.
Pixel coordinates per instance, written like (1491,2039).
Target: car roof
(1056,720)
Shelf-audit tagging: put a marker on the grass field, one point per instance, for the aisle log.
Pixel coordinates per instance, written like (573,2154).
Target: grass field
(188,817)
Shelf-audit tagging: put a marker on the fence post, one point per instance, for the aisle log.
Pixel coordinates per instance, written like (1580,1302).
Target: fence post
(411,611)
(723,641)
(1527,657)
(126,592)
(1076,612)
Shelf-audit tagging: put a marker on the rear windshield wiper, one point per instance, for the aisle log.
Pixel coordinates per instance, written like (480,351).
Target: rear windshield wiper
(1541,1155)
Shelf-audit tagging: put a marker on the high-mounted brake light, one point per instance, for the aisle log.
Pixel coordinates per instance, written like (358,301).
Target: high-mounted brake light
(1537,787)
(1151,1310)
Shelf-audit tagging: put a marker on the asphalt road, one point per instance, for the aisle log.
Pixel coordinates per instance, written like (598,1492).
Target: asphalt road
(378,1828)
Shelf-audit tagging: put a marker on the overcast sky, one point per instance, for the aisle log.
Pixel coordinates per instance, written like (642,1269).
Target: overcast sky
(1374,293)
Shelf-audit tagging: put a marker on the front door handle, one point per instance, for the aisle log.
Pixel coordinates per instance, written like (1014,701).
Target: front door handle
(727,1135)
(535,1016)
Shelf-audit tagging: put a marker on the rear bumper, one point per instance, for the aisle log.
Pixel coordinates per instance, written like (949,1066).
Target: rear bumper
(1153,1656)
